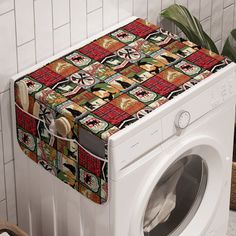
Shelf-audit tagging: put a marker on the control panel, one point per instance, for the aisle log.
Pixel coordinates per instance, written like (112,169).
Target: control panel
(222,91)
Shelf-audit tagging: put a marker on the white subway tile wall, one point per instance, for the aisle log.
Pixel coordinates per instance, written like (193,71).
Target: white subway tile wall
(6,127)
(205,9)
(166,3)
(94,22)
(43,29)
(140,8)
(10,192)
(110,13)
(125,9)
(228,21)
(24,11)
(234,14)
(154,8)
(60,12)
(93,5)
(61,38)
(216,19)
(228,3)
(2,177)
(3,210)
(194,7)
(8,49)
(34,30)
(6,5)
(78,13)
(26,55)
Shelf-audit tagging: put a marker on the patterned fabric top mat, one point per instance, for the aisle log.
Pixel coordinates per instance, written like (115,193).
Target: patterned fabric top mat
(99,89)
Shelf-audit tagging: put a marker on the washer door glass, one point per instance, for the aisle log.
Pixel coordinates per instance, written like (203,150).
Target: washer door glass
(176,197)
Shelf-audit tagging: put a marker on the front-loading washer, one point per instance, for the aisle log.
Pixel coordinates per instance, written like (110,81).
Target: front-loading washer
(185,178)
(169,173)
(198,165)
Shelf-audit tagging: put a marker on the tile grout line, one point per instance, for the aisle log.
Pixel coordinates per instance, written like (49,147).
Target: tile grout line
(212,3)
(205,19)
(70,22)
(230,5)
(102,17)
(234,25)
(118,10)
(133,7)
(199,9)
(86,18)
(3,93)
(6,12)
(88,12)
(103,14)
(67,23)
(3,200)
(6,163)
(4,173)
(234,15)
(23,44)
(53,43)
(222,26)
(17,67)
(17,62)
(35,40)
(1,114)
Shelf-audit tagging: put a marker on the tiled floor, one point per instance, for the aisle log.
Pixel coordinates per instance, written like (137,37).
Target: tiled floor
(232,224)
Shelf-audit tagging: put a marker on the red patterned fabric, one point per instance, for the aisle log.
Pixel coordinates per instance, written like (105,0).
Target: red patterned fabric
(138,28)
(27,122)
(159,85)
(201,59)
(94,51)
(46,76)
(89,163)
(112,114)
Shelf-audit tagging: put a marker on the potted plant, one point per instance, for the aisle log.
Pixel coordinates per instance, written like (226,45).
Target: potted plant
(193,30)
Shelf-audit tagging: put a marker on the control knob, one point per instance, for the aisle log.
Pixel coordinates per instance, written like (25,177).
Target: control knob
(182,119)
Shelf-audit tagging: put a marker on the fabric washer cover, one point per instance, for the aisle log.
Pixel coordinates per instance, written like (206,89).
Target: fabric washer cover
(75,103)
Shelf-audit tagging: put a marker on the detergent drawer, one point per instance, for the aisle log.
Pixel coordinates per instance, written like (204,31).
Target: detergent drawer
(136,146)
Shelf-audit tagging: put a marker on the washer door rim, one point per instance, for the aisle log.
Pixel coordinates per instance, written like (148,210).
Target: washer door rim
(201,146)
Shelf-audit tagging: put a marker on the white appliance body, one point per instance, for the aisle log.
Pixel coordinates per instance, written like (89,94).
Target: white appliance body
(139,155)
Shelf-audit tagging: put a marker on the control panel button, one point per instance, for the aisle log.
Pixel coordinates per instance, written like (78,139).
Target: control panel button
(182,119)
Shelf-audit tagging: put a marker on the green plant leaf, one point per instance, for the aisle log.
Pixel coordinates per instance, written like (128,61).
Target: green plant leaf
(229,49)
(190,26)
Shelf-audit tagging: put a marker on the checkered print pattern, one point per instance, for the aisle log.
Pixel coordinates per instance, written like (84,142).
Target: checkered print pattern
(111,114)
(89,163)
(201,59)
(94,51)
(27,122)
(162,67)
(139,29)
(159,85)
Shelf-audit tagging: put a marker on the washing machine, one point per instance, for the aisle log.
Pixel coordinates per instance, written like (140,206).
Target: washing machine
(169,173)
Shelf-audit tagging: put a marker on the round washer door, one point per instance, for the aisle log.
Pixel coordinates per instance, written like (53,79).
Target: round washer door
(183,196)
